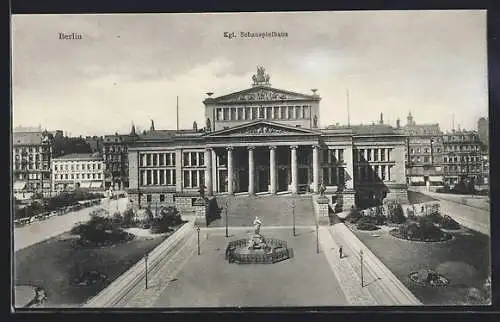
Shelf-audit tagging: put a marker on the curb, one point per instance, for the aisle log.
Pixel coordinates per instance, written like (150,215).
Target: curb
(394,290)
(125,283)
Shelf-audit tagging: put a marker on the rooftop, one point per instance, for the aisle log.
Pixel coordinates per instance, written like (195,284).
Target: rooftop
(26,138)
(361,129)
(80,156)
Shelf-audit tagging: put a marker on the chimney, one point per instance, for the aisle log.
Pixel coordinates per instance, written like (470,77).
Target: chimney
(152,128)
(195,126)
(381,118)
(398,123)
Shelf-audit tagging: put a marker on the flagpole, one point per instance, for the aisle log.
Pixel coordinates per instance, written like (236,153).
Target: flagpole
(177,114)
(348,109)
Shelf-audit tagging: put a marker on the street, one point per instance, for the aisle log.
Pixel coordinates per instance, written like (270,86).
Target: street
(474,218)
(45,229)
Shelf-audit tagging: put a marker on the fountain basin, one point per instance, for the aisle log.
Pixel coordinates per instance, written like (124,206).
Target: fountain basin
(275,250)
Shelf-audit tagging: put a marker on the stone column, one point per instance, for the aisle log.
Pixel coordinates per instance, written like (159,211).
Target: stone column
(294,171)
(144,177)
(215,187)
(315,169)
(251,171)
(230,189)
(208,172)
(158,176)
(272,169)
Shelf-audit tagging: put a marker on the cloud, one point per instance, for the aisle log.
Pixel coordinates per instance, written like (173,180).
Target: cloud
(132,67)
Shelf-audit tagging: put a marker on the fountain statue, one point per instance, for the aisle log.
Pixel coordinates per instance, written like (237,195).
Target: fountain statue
(256,240)
(256,249)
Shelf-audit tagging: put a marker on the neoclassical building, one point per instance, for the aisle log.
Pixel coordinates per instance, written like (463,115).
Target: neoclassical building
(264,140)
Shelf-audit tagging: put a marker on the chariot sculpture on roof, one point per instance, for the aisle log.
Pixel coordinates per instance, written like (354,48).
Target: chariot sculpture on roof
(261,78)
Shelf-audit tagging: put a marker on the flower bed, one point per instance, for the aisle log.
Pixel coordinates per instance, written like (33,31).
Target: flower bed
(422,230)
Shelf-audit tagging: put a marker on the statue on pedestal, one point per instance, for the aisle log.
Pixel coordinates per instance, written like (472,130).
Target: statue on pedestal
(257,241)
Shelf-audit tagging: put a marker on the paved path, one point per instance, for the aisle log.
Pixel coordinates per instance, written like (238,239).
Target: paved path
(187,280)
(208,280)
(470,217)
(53,226)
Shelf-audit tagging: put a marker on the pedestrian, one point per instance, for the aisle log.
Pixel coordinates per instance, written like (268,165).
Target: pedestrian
(340,252)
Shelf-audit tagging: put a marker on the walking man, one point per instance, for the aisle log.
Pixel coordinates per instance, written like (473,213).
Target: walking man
(340,252)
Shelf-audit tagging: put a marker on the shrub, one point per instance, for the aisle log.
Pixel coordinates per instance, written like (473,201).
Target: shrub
(423,230)
(396,214)
(450,223)
(435,218)
(100,231)
(169,217)
(366,226)
(354,215)
(128,218)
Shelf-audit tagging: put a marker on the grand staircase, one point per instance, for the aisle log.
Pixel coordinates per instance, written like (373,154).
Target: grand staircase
(273,210)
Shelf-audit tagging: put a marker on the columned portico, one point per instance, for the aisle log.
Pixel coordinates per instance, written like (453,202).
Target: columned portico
(294,183)
(272,166)
(251,171)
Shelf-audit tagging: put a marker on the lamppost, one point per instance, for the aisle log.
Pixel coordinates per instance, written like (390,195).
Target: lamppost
(227,234)
(317,237)
(198,233)
(293,216)
(361,259)
(146,266)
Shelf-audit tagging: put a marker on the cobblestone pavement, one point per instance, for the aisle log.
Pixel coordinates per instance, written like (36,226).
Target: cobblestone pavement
(48,228)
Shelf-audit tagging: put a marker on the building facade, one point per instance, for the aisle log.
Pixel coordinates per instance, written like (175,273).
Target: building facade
(115,154)
(463,158)
(31,158)
(264,140)
(72,171)
(423,153)
(483,131)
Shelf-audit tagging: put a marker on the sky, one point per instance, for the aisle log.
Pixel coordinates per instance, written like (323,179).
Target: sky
(130,68)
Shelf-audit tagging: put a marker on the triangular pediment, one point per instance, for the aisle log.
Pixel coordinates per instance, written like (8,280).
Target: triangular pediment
(260,94)
(262,128)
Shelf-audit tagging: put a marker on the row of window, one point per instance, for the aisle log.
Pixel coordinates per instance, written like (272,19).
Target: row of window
(333,155)
(450,148)
(33,176)
(382,154)
(448,138)
(191,178)
(30,157)
(73,176)
(30,166)
(157,159)
(28,150)
(115,149)
(462,159)
(333,176)
(263,112)
(463,169)
(425,150)
(159,177)
(372,173)
(425,159)
(77,166)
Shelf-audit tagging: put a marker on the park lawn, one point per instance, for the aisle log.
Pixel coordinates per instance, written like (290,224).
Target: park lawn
(464,260)
(55,263)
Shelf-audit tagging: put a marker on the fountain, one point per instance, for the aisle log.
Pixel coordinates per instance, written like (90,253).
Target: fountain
(257,249)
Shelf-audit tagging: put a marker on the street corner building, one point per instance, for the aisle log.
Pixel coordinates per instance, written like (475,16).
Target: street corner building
(263,140)
(78,170)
